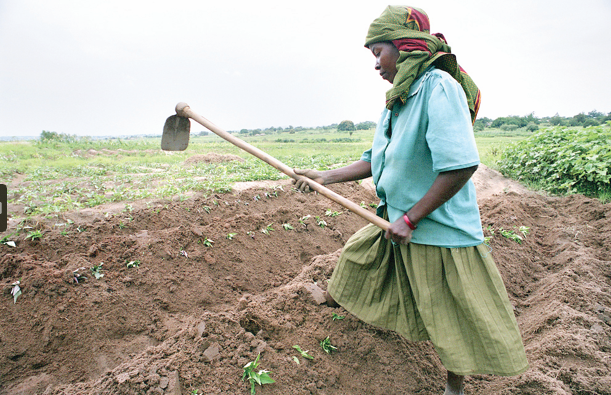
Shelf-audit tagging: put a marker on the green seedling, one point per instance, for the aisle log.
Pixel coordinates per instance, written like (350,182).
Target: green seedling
(230,236)
(259,377)
(320,222)
(374,205)
(251,234)
(34,235)
(327,346)
(287,227)
(16,291)
(256,198)
(303,353)
(207,209)
(128,208)
(121,225)
(296,360)
(335,317)
(267,229)
(64,233)
(363,205)
(525,230)
(5,240)
(77,277)
(330,213)
(208,242)
(132,264)
(511,235)
(96,270)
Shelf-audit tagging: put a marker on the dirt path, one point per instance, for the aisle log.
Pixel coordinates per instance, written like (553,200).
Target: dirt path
(191,315)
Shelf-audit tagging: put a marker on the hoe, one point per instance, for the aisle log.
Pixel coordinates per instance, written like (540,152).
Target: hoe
(175,137)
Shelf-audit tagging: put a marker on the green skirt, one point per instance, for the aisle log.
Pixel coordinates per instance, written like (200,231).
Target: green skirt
(453,297)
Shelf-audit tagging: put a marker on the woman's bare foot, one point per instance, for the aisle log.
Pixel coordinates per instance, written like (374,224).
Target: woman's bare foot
(454,385)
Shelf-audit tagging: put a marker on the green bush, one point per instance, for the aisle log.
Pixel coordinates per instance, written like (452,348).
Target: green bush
(562,160)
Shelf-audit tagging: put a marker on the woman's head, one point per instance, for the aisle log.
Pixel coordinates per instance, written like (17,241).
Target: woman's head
(393,31)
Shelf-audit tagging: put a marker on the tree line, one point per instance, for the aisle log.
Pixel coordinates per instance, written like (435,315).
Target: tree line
(532,123)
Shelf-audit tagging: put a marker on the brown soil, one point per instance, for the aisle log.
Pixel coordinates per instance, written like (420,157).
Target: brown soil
(191,316)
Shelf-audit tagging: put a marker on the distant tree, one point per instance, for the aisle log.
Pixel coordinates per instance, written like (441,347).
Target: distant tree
(531,127)
(365,125)
(556,120)
(346,126)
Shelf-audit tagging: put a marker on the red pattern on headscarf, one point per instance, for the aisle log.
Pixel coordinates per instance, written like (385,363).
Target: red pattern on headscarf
(410,44)
(421,19)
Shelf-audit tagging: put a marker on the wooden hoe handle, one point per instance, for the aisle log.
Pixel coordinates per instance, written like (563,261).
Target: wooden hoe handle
(183,110)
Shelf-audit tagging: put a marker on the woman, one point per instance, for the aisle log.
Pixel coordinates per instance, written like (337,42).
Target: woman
(429,276)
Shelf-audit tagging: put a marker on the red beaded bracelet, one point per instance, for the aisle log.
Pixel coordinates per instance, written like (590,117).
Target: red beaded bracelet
(408,222)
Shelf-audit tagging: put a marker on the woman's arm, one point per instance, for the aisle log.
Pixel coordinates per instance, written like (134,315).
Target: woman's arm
(355,171)
(446,185)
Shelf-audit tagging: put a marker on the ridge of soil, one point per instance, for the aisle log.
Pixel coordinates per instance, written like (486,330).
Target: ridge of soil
(191,316)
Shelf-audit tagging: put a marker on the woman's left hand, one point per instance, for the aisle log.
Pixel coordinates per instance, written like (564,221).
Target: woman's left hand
(399,232)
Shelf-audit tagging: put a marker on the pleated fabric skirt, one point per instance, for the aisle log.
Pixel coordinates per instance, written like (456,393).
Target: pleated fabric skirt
(454,297)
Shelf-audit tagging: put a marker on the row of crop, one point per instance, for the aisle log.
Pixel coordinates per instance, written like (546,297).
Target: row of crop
(563,161)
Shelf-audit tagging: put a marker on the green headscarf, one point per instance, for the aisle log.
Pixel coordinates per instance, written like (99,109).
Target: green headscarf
(408,29)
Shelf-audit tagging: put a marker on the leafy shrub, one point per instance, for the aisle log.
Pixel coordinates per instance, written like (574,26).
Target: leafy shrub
(562,160)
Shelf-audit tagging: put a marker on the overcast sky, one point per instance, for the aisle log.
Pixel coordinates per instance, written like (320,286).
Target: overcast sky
(118,67)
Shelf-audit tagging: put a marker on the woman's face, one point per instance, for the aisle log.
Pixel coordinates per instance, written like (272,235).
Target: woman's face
(386,59)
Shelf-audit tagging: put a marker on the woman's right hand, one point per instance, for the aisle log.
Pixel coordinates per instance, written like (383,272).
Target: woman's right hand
(302,184)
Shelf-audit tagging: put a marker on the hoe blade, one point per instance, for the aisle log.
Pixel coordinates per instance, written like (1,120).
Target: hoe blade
(175,134)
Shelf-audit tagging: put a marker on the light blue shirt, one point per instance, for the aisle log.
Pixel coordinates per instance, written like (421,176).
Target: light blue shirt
(431,133)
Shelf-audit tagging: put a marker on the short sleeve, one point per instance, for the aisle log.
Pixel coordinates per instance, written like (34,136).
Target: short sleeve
(449,133)
(366,157)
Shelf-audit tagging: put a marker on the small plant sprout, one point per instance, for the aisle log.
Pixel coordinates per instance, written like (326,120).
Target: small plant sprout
(184,253)
(374,205)
(128,208)
(256,198)
(267,229)
(16,291)
(230,236)
(96,270)
(363,205)
(303,220)
(207,209)
(256,377)
(287,227)
(77,277)
(525,230)
(320,222)
(335,317)
(121,225)
(5,240)
(331,213)
(303,353)
(511,235)
(327,346)
(251,234)
(132,264)
(34,235)
(208,242)
(296,360)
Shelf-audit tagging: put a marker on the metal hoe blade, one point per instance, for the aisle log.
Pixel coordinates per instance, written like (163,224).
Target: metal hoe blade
(176,133)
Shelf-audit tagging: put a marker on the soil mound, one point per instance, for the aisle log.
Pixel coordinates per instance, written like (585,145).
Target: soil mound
(214,282)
